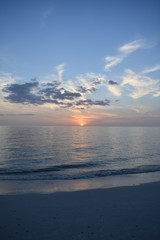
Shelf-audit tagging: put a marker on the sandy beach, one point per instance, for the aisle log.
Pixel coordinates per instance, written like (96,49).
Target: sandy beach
(117,213)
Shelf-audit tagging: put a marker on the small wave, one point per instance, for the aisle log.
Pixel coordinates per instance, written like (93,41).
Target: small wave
(55,168)
(105,173)
(139,169)
(48,173)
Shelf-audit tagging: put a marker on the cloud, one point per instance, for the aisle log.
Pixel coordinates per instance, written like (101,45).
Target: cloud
(157,94)
(18,114)
(22,93)
(141,109)
(88,83)
(75,93)
(139,85)
(59,93)
(68,94)
(132,46)
(34,93)
(112,61)
(90,102)
(111,82)
(5,79)
(153,69)
(115,90)
(123,52)
(60,70)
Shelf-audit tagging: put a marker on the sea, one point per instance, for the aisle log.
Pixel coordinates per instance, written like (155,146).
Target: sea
(57,158)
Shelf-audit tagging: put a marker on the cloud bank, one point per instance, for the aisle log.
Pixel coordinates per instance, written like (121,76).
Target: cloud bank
(80,92)
(69,94)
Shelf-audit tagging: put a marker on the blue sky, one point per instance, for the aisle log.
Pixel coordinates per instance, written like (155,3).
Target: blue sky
(72,62)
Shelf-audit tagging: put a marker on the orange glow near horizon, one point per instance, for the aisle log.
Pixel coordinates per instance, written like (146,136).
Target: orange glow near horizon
(83,120)
(80,120)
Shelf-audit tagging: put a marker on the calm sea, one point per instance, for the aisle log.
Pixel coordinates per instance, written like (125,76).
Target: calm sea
(70,153)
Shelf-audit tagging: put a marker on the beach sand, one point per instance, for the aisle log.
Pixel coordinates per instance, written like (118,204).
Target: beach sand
(117,213)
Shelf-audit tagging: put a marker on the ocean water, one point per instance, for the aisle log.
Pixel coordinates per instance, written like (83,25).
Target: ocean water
(72,153)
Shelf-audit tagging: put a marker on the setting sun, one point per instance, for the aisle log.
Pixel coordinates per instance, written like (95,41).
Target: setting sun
(81,124)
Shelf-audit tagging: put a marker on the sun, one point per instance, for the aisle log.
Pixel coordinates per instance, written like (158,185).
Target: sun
(82,124)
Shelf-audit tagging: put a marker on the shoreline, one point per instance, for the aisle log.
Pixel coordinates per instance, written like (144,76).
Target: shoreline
(122,213)
(14,187)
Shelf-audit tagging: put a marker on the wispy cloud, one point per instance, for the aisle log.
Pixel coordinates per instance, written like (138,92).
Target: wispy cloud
(141,109)
(132,46)
(152,69)
(139,85)
(157,94)
(123,52)
(89,82)
(60,70)
(112,61)
(115,90)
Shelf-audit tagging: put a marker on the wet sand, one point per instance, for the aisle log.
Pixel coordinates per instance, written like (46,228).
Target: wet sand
(117,213)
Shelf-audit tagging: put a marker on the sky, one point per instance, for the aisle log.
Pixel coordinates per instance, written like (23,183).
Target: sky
(80,62)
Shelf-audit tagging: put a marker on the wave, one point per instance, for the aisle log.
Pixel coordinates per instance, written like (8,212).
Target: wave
(139,169)
(55,168)
(48,173)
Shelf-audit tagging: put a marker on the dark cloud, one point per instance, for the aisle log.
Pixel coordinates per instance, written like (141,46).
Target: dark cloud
(85,90)
(92,86)
(21,88)
(83,104)
(23,93)
(33,93)
(89,102)
(38,93)
(111,82)
(96,81)
(61,93)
